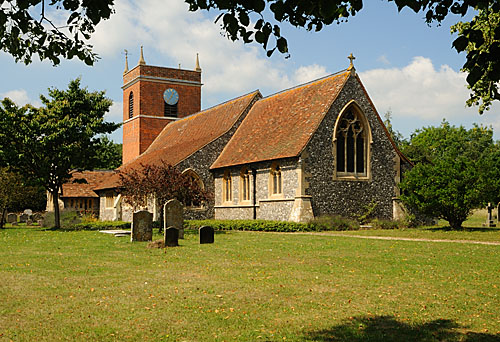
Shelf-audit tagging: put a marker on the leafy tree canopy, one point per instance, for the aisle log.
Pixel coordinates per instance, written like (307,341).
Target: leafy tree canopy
(27,29)
(47,143)
(108,154)
(160,183)
(456,170)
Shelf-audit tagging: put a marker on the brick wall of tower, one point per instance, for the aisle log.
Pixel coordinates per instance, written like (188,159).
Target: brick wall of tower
(148,84)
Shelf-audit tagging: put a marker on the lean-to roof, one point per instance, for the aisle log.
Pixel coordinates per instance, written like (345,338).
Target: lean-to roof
(83,183)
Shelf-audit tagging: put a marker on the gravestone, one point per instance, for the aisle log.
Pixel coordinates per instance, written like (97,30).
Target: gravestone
(489,219)
(36,217)
(171,237)
(11,218)
(142,226)
(173,214)
(23,218)
(29,222)
(206,234)
(28,212)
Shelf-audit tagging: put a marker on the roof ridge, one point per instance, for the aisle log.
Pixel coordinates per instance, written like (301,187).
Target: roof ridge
(217,105)
(338,73)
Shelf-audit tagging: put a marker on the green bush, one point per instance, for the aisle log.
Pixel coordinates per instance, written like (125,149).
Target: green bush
(327,222)
(386,224)
(252,225)
(68,218)
(100,225)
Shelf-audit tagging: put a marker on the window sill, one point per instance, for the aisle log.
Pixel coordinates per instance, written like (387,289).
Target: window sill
(276,199)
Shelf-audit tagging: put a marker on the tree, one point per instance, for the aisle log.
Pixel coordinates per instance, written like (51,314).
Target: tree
(47,143)
(245,20)
(481,39)
(161,183)
(108,155)
(26,29)
(458,171)
(396,136)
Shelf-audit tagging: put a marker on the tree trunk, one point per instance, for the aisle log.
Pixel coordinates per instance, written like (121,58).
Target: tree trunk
(2,218)
(55,201)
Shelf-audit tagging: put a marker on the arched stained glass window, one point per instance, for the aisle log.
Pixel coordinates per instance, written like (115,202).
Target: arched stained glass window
(227,191)
(351,145)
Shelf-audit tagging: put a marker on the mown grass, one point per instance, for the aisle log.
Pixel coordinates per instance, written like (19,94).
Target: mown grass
(248,286)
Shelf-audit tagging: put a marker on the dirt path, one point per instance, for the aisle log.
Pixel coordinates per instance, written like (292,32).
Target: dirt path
(491,243)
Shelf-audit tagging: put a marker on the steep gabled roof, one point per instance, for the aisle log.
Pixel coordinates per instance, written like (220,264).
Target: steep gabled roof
(280,126)
(83,183)
(180,139)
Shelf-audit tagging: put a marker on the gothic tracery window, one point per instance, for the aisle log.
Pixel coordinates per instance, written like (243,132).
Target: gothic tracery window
(351,145)
(227,187)
(275,181)
(245,184)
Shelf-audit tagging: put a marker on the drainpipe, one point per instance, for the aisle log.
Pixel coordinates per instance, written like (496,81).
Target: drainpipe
(254,201)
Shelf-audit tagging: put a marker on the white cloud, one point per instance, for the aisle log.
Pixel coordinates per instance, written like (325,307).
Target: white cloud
(115,113)
(309,73)
(20,97)
(171,35)
(421,95)
(419,90)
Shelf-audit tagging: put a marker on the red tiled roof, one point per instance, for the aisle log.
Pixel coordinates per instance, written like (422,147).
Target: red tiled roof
(180,139)
(280,126)
(75,187)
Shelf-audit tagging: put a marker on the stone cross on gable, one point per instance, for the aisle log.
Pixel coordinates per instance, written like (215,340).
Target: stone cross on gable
(351,60)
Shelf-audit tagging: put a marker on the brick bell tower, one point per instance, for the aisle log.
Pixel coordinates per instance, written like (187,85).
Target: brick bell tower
(153,97)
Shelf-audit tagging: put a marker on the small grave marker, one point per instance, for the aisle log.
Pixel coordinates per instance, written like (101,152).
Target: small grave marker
(142,226)
(489,220)
(11,218)
(206,234)
(171,237)
(23,218)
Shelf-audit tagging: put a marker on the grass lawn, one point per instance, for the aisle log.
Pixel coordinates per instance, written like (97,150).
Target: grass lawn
(248,286)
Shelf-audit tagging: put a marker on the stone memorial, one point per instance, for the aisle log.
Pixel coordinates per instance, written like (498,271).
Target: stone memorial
(36,216)
(28,212)
(206,234)
(489,219)
(498,213)
(171,237)
(173,214)
(29,222)
(142,226)
(23,218)
(11,218)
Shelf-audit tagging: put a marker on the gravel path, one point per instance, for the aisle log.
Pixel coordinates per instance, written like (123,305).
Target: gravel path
(491,243)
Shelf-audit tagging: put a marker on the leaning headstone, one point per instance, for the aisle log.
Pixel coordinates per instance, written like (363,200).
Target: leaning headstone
(23,218)
(36,217)
(14,223)
(11,218)
(28,212)
(173,213)
(489,219)
(171,237)
(142,226)
(206,234)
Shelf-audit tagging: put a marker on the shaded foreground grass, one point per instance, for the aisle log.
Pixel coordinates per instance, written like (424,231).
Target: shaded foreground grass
(247,286)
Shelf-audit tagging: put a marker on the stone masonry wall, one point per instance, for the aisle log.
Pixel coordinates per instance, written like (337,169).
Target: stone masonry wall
(267,207)
(350,198)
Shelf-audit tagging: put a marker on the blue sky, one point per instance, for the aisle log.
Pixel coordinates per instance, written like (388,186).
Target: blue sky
(407,67)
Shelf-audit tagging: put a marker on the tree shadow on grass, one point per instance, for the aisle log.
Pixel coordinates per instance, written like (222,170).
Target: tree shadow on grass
(464,229)
(388,329)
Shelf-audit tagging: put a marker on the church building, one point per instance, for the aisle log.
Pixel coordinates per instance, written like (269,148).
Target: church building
(319,148)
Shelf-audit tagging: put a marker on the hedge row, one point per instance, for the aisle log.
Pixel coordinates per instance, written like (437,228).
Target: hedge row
(101,225)
(320,224)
